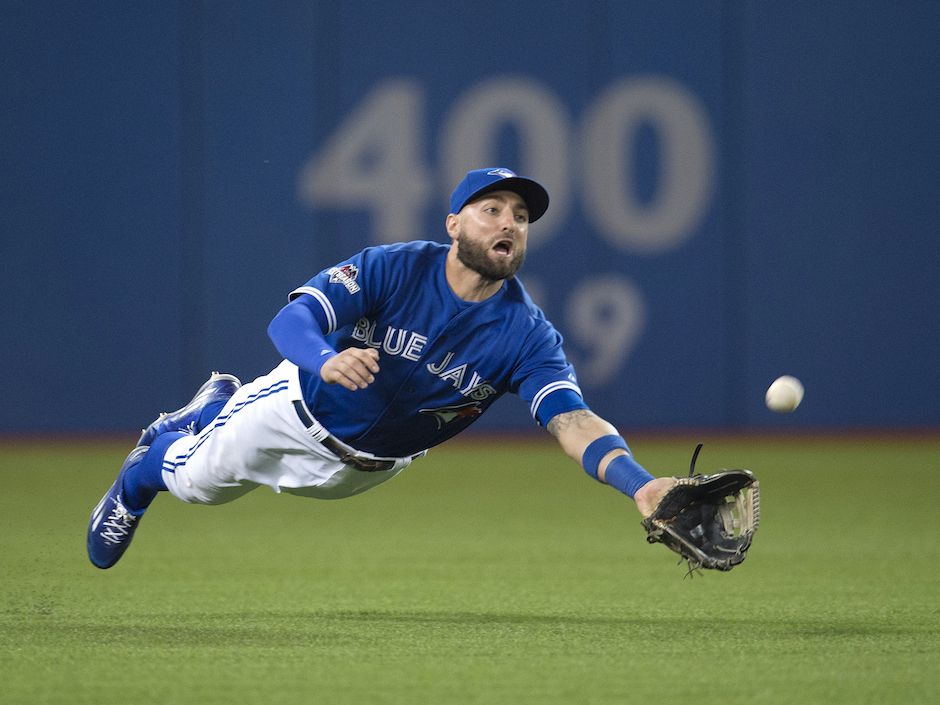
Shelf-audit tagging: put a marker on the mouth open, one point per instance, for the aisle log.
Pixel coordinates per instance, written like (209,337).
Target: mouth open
(503,248)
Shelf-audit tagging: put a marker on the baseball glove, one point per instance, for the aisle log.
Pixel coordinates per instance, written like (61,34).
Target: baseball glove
(709,520)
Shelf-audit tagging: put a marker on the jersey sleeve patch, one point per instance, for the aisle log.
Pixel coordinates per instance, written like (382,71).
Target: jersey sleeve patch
(346,275)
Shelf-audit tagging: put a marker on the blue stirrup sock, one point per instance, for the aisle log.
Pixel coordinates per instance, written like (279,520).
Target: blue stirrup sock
(623,472)
(144,480)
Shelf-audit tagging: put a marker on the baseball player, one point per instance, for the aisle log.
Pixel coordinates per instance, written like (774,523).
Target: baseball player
(386,355)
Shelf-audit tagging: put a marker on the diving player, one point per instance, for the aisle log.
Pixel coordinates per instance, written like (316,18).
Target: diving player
(386,355)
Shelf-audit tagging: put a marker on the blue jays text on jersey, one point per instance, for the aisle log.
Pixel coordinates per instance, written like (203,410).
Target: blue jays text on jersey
(443,360)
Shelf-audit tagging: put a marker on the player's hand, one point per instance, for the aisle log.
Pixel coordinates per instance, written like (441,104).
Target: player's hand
(648,496)
(353,368)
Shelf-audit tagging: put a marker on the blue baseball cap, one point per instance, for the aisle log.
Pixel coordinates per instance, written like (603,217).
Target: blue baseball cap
(481,181)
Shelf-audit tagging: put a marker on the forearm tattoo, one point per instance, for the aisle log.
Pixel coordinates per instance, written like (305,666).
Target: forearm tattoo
(579,418)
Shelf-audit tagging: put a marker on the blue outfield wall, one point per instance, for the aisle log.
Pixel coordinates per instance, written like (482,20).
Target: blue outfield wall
(739,190)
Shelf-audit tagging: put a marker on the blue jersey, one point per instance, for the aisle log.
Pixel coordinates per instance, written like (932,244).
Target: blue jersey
(443,360)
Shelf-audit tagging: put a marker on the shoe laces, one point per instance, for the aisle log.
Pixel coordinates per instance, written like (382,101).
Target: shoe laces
(119,523)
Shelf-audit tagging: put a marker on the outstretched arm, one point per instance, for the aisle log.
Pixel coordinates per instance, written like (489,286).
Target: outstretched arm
(576,430)
(597,446)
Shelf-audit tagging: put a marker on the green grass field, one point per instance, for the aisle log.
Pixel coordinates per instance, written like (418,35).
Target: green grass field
(496,573)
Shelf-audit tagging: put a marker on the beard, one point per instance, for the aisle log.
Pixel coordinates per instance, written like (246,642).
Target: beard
(475,256)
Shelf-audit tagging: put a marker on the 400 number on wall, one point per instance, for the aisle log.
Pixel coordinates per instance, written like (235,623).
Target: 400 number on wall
(374,159)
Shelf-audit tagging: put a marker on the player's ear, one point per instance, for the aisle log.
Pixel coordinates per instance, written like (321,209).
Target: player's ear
(452,224)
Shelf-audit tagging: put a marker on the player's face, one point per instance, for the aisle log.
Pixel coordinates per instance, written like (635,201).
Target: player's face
(492,235)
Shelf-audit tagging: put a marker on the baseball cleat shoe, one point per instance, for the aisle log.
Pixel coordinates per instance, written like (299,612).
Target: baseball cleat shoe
(219,387)
(112,525)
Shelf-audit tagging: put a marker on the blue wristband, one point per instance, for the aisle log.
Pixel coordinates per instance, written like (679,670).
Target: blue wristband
(626,474)
(596,451)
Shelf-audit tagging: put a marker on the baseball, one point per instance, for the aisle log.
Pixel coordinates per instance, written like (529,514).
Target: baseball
(784,394)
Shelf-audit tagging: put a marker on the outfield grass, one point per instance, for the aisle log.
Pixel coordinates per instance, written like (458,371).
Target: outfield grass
(495,573)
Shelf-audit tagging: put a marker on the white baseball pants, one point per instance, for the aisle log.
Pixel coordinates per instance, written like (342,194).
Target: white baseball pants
(258,439)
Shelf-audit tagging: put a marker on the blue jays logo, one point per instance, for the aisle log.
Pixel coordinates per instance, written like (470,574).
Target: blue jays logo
(445,414)
(505,173)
